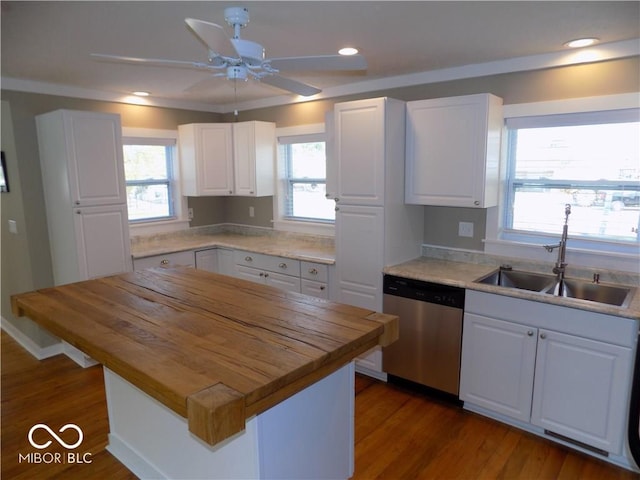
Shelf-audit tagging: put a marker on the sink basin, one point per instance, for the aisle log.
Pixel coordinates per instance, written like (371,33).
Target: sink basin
(536,282)
(594,292)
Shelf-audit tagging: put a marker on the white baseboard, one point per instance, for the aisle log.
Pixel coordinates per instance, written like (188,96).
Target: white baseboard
(131,459)
(29,345)
(77,356)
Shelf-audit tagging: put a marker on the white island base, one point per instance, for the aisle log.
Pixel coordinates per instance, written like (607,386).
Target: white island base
(307,436)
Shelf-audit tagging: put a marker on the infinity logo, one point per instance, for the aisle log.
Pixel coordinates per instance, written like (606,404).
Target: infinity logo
(58,439)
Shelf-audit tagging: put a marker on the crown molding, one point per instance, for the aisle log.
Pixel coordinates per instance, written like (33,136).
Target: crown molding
(597,53)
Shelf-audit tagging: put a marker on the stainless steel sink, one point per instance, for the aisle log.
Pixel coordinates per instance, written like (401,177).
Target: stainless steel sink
(594,292)
(618,296)
(536,282)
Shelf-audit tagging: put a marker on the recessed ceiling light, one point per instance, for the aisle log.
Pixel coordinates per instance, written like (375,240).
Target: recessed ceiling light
(141,94)
(581,42)
(348,51)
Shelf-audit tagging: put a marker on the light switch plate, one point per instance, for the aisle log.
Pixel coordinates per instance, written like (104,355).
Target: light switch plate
(13,227)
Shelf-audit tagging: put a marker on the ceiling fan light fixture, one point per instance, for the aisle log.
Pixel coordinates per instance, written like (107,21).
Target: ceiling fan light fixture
(348,51)
(581,42)
(237,72)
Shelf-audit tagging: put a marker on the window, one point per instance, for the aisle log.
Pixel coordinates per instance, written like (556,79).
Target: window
(148,165)
(301,204)
(306,185)
(589,160)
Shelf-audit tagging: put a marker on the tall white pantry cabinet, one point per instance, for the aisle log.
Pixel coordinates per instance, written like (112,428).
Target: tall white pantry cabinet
(374,227)
(83,178)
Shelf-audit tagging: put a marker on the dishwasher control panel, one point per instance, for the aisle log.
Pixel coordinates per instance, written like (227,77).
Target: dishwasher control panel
(424,291)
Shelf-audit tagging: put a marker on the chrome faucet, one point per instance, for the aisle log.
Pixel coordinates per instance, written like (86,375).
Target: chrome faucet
(561,265)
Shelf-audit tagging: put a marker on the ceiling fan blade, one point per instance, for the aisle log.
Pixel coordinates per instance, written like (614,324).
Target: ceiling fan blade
(157,62)
(320,62)
(213,37)
(290,85)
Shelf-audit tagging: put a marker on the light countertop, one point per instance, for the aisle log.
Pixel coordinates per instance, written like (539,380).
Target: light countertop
(463,274)
(296,246)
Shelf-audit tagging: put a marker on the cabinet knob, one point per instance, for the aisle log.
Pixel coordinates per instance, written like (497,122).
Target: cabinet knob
(266,275)
(250,192)
(262,274)
(337,209)
(543,336)
(477,202)
(164,262)
(78,212)
(322,287)
(283,265)
(313,271)
(530,333)
(248,259)
(336,199)
(77,202)
(230,192)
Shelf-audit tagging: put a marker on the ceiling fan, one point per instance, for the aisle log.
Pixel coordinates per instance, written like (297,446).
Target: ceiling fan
(238,59)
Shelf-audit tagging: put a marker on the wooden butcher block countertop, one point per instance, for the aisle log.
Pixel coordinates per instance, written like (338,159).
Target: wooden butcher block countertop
(214,349)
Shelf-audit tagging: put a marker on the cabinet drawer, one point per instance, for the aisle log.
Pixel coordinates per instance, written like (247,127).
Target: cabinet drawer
(314,271)
(185,259)
(271,263)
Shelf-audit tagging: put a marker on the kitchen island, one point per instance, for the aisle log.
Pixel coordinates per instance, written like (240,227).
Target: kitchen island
(209,376)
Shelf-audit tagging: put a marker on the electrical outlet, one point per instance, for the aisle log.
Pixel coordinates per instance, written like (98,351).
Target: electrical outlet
(13,227)
(252,212)
(465,229)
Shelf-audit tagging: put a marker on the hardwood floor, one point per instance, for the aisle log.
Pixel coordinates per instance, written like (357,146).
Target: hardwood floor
(399,434)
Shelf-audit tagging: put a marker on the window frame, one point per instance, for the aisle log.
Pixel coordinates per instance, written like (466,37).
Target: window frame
(178,207)
(527,245)
(282,220)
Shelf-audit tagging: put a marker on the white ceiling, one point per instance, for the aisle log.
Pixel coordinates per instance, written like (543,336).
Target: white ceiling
(46,46)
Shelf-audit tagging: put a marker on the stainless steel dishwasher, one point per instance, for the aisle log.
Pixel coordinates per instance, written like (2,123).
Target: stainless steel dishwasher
(428,350)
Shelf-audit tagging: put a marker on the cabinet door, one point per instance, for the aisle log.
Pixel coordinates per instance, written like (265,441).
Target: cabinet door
(251,274)
(283,282)
(453,147)
(95,158)
(359,151)
(207,260)
(254,158)
(102,237)
(581,389)
(314,289)
(206,159)
(498,361)
(359,256)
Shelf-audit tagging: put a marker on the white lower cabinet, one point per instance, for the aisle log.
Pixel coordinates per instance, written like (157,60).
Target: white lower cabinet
(564,383)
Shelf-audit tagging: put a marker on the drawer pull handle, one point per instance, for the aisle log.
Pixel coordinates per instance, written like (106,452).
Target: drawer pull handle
(543,336)
(248,259)
(283,265)
(164,262)
(530,333)
(313,271)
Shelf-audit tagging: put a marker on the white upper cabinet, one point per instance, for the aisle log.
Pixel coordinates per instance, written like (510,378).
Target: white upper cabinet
(83,155)
(227,158)
(453,151)
(254,158)
(359,151)
(206,159)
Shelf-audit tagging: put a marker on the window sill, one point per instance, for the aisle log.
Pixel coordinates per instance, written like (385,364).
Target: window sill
(152,228)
